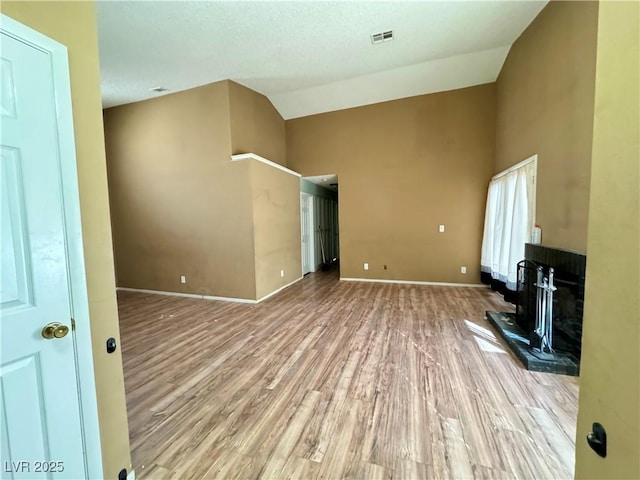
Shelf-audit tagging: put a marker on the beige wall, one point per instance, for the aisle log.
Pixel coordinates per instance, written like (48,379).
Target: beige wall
(404,167)
(276,223)
(179,205)
(545,106)
(256,126)
(610,368)
(74,25)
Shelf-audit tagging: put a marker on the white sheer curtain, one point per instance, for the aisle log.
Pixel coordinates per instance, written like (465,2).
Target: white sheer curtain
(508,221)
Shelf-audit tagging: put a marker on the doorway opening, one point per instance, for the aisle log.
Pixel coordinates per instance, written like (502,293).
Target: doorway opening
(319,223)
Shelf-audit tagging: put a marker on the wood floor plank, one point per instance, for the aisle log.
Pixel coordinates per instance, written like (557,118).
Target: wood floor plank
(297,468)
(332,379)
(413,438)
(481,472)
(154,472)
(344,448)
(474,420)
(551,440)
(334,408)
(260,431)
(293,358)
(379,440)
(457,450)
(371,471)
(406,469)
(230,465)
(284,448)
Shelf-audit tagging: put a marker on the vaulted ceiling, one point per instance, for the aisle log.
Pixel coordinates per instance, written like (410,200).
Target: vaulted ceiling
(307,57)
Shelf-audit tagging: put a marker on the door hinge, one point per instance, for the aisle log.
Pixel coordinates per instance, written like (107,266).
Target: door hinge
(73,324)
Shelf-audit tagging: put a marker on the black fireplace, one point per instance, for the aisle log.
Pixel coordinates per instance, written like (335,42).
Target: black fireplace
(518,330)
(568,300)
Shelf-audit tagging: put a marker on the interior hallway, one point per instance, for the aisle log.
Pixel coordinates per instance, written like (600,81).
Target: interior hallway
(333,379)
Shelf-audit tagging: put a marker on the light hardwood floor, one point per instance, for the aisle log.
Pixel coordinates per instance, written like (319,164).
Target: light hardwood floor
(332,380)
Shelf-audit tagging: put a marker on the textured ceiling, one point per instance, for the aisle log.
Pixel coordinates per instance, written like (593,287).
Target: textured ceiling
(306,56)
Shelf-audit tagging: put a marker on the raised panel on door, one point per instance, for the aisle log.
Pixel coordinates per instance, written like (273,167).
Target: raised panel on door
(16,288)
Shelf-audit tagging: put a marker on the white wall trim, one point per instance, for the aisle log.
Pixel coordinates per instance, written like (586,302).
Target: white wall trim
(278,290)
(253,156)
(208,297)
(79,298)
(229,299)
(411,282)
(187,295)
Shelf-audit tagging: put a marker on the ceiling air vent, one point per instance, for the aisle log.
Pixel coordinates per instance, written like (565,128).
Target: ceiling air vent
(382,37)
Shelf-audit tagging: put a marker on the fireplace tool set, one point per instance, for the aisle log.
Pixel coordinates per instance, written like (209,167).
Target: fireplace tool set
(544,309)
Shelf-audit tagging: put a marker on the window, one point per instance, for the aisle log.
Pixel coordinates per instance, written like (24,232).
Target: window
(509,221)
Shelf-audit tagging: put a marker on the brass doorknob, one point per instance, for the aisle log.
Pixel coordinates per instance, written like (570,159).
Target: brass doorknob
(54,330)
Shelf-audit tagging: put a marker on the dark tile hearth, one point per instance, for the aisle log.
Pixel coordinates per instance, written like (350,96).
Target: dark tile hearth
(532,359)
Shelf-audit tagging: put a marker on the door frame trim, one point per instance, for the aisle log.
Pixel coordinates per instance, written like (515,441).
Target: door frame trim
(309,199)
(79,299)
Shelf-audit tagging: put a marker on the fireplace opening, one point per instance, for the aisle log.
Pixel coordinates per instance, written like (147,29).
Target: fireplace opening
(567,306)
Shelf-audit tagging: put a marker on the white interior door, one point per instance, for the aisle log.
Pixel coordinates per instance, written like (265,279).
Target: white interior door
(306,217)
(41,433)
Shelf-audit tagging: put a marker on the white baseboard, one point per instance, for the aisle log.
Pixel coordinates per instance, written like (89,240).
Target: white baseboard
(278,290)
(208,297)
(187,295)
(411,282)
